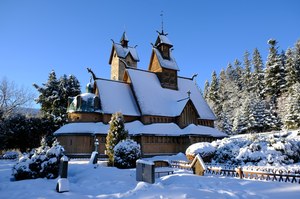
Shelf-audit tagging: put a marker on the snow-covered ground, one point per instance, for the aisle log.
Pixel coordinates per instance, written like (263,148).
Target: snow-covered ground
(108,182)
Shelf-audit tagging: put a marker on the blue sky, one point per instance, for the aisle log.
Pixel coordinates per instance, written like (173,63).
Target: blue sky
(70,35)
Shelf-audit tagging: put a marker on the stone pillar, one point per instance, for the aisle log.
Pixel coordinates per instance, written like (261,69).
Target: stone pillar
(63,167)
(63,183)
(145,171)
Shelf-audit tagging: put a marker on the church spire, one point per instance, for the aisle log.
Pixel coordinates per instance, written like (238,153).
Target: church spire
(162,22)
(124,40)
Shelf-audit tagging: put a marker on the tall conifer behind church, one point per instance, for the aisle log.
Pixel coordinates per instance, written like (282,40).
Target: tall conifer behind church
(53,96)
(115,134)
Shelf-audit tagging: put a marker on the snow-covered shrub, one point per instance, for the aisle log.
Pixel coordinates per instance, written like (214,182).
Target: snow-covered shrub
(41,162)
(11,155)
(126,153)
(228,149)
(205,149)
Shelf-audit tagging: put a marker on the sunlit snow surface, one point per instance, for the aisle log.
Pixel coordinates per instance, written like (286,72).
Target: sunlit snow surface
(86,181)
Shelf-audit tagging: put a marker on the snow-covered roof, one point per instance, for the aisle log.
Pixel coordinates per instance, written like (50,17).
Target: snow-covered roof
(155,100)
(166,63)
(123,52)
(116,96)
(137,128)
(164,39)
(82,128)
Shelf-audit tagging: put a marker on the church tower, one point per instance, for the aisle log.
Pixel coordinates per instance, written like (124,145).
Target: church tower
(163,63)
(122,56)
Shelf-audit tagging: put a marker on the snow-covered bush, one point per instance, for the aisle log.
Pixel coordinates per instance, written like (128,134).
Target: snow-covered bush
(280,148)
(205,149)
(126,153)
(228,149)
(39,163)
(10,155)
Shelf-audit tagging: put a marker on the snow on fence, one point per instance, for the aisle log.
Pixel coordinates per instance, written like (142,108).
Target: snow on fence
(248,172)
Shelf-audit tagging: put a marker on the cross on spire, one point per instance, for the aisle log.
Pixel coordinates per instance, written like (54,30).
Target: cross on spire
(189,94)
(162,22)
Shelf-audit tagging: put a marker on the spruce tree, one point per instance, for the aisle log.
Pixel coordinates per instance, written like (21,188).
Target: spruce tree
(223,94)
(247,80)
(206,90)
(258,116)
(54,94)
(49,95)
(240,123)
(273,73)
(115,134)
(238,74)
(291,70)
(258,73)
(297,59)
(292,119)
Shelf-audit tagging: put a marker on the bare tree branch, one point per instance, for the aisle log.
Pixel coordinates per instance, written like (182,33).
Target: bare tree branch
(13,97)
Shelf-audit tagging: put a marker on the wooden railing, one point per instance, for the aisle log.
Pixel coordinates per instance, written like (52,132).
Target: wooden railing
(181,164)
(248,172)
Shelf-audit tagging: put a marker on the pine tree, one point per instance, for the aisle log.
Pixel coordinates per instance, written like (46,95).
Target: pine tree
(223,94)
(54,96)
(225,124)
(273,122)
(206,90)
(291,71)
(238,74)
(258,116)
(297,59)
(247,83)
(240,123)
(115,134)
(49,95)
(292,119)
(230,73)
(213,89)
(273,73)
(258,74)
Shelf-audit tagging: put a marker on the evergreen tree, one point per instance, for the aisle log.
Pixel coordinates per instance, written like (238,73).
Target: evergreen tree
(223,94)
(273,73)
(54,96)
(297,59)
(247,83)
(225,124)
(213,89)
(48,94)
(115,134)
(258,117)
(291,71)
(240,123)
(24,133)
(230,73)
(283,86)
(272,119)
(238,74)
(206,90)
(258,73)
(292,119)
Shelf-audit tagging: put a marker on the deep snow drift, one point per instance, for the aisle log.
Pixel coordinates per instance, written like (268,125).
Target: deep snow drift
(108,182)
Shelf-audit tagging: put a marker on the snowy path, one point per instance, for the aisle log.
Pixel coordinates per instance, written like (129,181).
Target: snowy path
(106,182)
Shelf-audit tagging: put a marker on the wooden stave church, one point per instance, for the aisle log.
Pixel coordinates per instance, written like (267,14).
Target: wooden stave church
(167,121)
